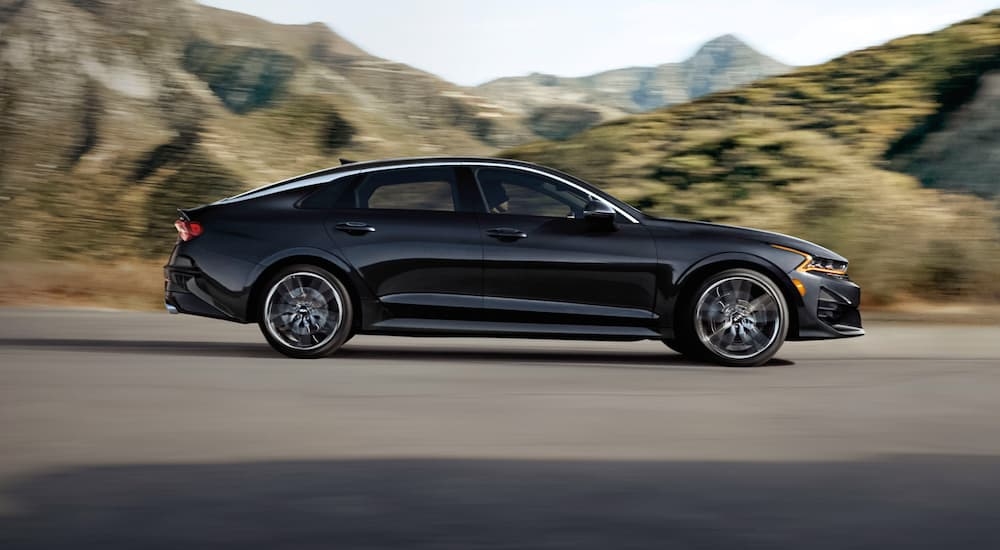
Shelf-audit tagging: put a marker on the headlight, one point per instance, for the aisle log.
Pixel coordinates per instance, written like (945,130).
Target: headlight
(817,264)
(827,265)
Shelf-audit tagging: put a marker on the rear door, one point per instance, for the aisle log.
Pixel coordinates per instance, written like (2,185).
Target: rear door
(404,230)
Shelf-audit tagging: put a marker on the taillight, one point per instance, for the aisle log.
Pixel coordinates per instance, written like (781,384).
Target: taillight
(188,229)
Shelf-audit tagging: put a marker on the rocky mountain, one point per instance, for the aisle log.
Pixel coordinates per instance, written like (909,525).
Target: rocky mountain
(873,154)
(557,107)
(113,112)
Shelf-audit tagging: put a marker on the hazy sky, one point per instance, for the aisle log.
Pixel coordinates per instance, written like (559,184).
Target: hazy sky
(471,41)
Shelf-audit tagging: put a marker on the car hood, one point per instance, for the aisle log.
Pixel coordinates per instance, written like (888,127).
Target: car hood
(717,230)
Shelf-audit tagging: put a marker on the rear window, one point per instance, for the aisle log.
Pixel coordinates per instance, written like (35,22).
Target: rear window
(402,189)
(326,195)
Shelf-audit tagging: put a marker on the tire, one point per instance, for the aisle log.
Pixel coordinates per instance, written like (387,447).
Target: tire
(305,312)
(736,318)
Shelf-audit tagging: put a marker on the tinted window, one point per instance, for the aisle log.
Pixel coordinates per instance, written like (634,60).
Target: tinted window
(413,195)
(326,195)
(403,189)
(516,192)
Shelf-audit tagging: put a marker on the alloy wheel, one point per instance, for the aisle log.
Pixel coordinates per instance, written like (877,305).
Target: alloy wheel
(303,311)
(738,317)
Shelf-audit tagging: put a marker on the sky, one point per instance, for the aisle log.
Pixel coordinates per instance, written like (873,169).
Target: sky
(469,42)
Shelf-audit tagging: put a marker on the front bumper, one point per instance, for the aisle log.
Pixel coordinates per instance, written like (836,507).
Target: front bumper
(829,307)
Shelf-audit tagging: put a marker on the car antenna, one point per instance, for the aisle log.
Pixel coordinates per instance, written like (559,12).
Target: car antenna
(347,161)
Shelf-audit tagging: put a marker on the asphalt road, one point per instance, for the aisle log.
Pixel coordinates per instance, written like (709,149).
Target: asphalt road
(155,431)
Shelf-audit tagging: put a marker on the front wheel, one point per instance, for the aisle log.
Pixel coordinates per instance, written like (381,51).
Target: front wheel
(738,318)
(306,312)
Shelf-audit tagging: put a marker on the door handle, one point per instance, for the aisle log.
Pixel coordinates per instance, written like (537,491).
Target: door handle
(354,228)
(506,233)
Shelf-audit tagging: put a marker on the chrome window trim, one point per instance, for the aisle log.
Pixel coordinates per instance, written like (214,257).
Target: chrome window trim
(309,180)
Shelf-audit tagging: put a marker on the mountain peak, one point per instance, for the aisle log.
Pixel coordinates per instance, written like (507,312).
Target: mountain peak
(727,40)
(727,43)
(726,62)
(722,63)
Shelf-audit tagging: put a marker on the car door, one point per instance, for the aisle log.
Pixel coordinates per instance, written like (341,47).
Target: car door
(544,263)
(404,231)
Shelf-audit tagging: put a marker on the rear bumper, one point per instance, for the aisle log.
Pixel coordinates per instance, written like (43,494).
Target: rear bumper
(184,292)
(187,288)
(829,308)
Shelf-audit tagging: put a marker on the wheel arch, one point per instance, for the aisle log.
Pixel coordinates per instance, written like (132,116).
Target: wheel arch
(699,272)
(334,265)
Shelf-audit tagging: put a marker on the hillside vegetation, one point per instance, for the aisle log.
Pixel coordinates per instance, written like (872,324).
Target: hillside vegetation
(823,152)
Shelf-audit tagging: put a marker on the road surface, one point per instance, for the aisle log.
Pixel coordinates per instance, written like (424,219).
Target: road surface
(142,430)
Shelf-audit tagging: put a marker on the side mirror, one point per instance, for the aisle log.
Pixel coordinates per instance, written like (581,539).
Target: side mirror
(598,210)
(599,213)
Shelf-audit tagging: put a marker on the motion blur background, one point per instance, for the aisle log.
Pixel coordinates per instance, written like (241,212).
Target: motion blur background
(872,128)
(115,112)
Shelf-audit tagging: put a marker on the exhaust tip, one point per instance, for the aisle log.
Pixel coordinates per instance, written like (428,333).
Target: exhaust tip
(171,309)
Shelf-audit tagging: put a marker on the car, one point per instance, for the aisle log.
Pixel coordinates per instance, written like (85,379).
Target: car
(489,247)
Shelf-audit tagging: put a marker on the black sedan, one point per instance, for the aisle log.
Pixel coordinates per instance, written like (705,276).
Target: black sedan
(495,247)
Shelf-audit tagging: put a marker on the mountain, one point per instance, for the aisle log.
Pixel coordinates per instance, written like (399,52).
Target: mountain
(114,112)
(557,107)
(873,154)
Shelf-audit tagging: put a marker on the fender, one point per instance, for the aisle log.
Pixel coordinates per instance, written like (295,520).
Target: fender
(668,295)
(268,261)
(735,258)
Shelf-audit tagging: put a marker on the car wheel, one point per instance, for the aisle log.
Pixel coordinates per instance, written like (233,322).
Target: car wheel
(306,312)
(738,318)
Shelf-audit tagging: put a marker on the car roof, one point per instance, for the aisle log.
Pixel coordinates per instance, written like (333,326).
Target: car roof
(348,168)
(311,178)
(385,163)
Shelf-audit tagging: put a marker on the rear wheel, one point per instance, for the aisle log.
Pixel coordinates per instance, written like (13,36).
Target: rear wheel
(306,312)
(738,318)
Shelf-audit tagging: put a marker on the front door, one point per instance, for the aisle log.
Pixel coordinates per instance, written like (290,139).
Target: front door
(545,264)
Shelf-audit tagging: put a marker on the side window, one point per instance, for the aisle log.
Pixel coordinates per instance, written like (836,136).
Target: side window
(508,191)
(413,195)
(404,189)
